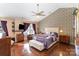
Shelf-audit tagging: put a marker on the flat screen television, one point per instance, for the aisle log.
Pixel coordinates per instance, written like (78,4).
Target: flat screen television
(21,27)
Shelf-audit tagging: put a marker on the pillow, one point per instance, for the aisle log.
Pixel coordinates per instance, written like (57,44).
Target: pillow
(56,34)
(52,33)
(48,37)
(47,33)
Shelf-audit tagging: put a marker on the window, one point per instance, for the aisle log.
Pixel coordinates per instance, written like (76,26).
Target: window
(2,33)
(30,30)
(0,27)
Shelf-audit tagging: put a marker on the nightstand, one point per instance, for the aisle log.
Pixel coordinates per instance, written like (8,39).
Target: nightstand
(29,37)
(20,37)
(64,38)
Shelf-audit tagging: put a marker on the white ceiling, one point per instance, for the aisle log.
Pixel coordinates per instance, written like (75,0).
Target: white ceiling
(25,9)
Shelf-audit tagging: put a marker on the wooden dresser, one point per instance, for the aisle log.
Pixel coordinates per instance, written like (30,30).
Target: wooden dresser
(19,36)
(64,38)
(5,46)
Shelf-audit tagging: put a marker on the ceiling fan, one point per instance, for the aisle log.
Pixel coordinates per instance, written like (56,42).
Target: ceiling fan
(75,11)
(38,13)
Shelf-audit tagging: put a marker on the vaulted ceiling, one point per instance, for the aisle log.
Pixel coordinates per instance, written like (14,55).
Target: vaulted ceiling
(25,9)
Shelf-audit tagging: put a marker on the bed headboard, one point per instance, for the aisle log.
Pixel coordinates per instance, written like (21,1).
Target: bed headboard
(52,29)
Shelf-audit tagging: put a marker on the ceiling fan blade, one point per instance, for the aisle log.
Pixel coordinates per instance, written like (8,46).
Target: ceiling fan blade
(33,15)
(42,15)
(41,12)
(38,13)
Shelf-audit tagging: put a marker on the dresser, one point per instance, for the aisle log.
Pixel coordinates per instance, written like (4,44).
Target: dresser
(64,38)
(5,46)
(19,36)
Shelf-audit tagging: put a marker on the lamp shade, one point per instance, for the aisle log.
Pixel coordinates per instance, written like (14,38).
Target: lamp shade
(61,31)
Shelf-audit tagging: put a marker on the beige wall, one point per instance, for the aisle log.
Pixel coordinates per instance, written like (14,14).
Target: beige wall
(9,26)
(21,21)
(77,23)
(61,18)
(17,22)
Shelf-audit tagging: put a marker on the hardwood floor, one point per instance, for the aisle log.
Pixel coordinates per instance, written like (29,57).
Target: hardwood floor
(59,49)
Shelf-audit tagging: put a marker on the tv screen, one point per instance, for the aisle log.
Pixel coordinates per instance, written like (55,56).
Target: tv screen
(21,26)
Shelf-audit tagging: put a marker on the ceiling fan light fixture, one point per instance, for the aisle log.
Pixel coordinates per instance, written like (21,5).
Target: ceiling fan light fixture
(37,16)
(38,13)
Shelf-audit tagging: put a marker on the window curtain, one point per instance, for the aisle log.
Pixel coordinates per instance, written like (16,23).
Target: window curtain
(34,27)
(30,30)
(26,25)
(4,26)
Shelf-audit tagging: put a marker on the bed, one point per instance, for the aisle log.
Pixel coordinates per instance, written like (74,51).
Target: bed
(45,41)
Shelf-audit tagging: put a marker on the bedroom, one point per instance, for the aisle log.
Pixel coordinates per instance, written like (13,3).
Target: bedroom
(29,23)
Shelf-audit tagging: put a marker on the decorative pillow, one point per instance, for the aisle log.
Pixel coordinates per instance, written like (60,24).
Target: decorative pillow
(52,33)
(56,34)
(48,37)
(48,33)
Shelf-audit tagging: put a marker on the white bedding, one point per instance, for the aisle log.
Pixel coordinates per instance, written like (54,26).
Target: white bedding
(38,45)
